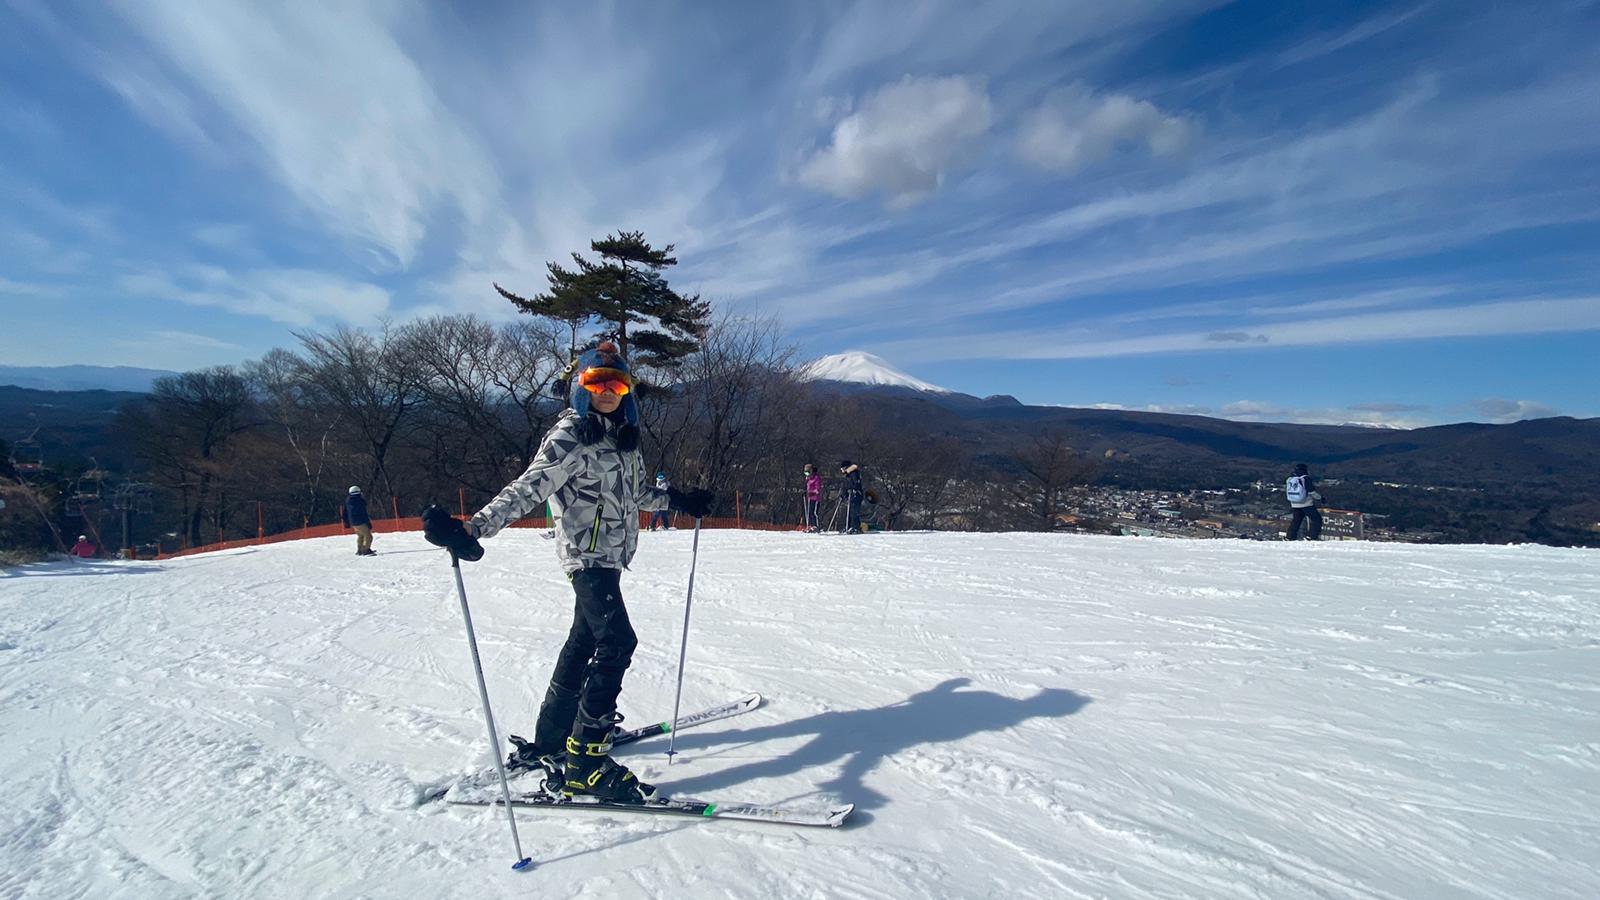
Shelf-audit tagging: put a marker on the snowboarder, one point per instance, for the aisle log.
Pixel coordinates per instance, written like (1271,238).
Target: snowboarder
(1303,498)
(82,549)
(853,493)
(661,517)
(354,515)
(590,469)
(813,496)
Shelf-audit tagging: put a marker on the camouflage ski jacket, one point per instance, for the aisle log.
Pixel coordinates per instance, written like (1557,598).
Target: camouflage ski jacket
(596,492)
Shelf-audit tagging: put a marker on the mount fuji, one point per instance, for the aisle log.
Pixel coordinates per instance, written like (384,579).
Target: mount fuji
(858,367)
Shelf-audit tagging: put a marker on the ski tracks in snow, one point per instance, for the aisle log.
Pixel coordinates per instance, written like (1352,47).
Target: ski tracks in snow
(1017,715)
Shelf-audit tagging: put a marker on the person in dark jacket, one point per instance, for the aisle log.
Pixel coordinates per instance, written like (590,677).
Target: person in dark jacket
(354,515)
(590,469)
(853,493)
(661,518)
(1303,498)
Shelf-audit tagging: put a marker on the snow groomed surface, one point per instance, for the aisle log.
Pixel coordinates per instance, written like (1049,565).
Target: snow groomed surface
(1013,715)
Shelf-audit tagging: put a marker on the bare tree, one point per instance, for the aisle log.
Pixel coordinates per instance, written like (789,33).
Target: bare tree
(373,384)
(185,430)
(292,404)
(721,426)
(1048,467)
(487,394)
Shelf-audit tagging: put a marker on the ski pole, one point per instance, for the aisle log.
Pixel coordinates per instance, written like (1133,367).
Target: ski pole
(683,648)
(835,517)
(522,862)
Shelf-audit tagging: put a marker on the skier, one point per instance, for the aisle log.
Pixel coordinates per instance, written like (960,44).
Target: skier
(661,516)
(590,469)
(1303,498)
(354,515)
(82,549)
(852,495)
(813,496)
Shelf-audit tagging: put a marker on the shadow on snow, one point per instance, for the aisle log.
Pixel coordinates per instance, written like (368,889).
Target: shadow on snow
(863,738)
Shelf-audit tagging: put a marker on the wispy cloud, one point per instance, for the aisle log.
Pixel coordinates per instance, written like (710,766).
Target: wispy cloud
(294,297)
(1079,341)
(169,337)
(361,138)
(30,289)
(1324,44)
(1097,179)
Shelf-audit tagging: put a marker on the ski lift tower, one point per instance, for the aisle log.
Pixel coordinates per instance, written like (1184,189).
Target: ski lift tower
(131,498)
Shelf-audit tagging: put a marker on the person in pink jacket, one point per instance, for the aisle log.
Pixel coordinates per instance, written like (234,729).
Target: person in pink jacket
(813,496)
(83,549)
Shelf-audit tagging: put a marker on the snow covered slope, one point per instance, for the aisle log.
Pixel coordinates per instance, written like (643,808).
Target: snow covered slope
(864,368)
(1016,716)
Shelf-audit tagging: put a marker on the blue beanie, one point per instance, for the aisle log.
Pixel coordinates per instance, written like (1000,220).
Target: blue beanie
(601,360)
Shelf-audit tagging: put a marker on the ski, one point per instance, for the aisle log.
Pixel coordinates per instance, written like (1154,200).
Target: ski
(491,775)
(831,817)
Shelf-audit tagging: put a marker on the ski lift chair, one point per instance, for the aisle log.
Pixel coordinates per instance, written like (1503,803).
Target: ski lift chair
(27,456)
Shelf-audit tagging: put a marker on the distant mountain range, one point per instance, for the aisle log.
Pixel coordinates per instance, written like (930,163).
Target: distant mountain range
(1555,454)
(81,378)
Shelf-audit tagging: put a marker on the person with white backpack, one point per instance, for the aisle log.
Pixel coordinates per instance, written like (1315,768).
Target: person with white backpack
(1302,495)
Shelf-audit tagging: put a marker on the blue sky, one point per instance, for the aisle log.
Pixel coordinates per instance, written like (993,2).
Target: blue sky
(1318,212)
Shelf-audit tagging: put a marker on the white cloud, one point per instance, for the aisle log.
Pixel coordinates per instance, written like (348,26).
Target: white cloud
(902,140)
(1075,128)
(295,297)
(1375,415)
(1500,412)
(1173,409)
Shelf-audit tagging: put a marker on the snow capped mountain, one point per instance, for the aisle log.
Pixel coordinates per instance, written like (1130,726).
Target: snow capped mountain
(864,368)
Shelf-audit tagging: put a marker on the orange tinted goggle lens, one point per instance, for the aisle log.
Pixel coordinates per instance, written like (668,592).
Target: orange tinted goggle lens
(620,388)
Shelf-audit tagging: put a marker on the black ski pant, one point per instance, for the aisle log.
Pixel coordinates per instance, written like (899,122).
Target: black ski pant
(852,516)
(590,666)
(1301,514)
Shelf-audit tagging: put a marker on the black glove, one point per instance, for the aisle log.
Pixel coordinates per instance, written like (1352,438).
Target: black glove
(695,502)
(444,530)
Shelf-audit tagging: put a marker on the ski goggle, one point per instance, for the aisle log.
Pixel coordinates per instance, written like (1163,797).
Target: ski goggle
(599,381)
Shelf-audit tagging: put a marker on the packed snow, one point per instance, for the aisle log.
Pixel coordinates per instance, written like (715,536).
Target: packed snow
(864,368)
(1014,716)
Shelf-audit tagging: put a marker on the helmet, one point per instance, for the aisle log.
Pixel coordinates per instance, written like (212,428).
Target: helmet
(83,537)
(355,488)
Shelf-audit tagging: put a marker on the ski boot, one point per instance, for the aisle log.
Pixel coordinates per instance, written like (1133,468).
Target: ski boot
(546,752)
(526,757)
(591,772)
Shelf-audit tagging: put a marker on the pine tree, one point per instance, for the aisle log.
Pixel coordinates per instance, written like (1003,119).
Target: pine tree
(626,288)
